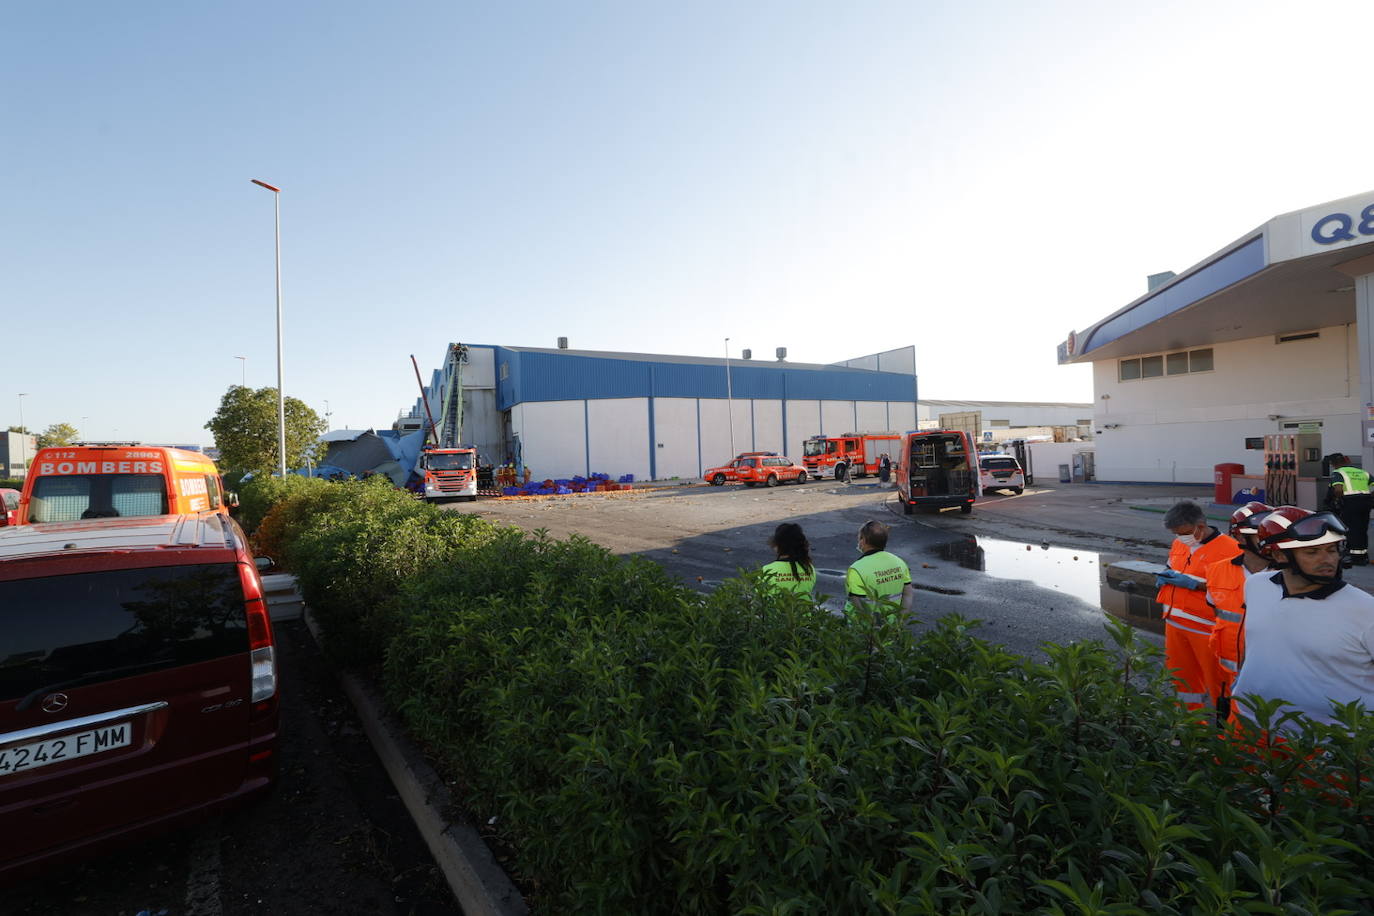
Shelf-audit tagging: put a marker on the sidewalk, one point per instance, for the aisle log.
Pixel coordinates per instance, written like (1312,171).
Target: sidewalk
(1122,519)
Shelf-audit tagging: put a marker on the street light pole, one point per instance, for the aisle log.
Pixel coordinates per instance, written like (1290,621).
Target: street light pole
(729,399)
(23,437)
(243,371)
(281,394)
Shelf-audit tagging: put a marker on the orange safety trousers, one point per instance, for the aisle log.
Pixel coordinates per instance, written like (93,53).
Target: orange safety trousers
(1196,675)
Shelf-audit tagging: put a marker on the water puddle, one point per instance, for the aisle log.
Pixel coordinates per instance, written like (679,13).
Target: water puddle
(1121,587)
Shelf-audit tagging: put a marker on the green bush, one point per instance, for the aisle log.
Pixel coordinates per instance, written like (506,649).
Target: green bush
(259,494)
(647,749)
(11,483)
(353,546)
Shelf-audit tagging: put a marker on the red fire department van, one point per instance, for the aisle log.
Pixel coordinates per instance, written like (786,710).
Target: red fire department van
(119,480)
(850,455)
(937,468)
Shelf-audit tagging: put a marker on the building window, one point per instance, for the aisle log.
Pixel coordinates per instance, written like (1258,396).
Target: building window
(1087,422)
(505,371)
(1000,423)
(1180,363)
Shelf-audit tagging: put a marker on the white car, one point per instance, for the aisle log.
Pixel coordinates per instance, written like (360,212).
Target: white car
(1000,472)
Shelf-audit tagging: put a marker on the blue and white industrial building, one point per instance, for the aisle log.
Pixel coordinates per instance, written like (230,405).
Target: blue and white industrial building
(563,412)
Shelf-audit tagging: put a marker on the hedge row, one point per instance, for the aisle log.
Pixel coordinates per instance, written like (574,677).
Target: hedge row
(647,749)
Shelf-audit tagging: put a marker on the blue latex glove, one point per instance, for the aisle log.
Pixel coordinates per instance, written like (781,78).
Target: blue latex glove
(1181,580)
(1171,577)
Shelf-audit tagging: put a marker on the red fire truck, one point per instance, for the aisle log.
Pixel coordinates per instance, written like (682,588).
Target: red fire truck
(849,455)
(449,473)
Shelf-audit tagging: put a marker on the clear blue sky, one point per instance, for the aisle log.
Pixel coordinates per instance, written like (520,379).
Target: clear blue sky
(972,178)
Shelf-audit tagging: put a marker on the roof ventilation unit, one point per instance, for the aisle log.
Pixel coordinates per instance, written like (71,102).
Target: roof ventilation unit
(747,354)
(1155,281)
(562,343)
(782,353)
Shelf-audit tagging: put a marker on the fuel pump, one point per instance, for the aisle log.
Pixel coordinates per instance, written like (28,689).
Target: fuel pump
(1281,469)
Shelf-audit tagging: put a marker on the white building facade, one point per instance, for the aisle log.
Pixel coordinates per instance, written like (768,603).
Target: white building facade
(1271,334)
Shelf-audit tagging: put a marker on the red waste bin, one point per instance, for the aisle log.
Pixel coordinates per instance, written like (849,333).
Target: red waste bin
(1221,476)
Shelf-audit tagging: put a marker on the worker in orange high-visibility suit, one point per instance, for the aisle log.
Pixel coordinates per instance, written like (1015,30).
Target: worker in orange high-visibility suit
(1188,618)
(1226,594)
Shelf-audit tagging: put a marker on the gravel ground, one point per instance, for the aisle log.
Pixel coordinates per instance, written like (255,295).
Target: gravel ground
(976,565)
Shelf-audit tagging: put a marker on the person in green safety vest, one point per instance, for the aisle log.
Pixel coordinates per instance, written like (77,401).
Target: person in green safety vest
(792,571)
(1349,497)
(878,580)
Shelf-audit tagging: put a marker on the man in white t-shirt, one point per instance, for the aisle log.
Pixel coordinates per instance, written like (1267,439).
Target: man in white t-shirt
(1310,640)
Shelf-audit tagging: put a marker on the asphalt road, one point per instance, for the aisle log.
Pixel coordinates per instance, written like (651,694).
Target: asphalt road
(1025,590)
(332,839)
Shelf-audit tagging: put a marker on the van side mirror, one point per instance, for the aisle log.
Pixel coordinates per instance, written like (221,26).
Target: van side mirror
(263,563)
(231,499)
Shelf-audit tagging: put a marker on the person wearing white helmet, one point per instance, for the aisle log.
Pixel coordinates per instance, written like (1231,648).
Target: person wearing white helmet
(1310,640)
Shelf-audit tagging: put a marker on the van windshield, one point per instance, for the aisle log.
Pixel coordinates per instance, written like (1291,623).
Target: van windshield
(71,497)
(63,629)
(458,462)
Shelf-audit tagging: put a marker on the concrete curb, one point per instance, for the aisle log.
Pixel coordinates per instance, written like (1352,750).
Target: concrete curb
(478,883)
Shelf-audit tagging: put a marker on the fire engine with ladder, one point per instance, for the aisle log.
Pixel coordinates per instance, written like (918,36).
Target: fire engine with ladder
(448,470)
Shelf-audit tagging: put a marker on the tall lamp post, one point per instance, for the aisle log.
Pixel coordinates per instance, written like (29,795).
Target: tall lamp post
(281,395)
(729,399)
(23,436)
(243,371)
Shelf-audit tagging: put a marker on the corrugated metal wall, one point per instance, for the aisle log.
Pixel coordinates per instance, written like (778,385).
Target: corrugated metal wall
(524,376)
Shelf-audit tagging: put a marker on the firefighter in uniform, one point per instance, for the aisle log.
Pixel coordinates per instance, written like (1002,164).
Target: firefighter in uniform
(1188,618)
(1226,594)
(1309,637)
(1349,497)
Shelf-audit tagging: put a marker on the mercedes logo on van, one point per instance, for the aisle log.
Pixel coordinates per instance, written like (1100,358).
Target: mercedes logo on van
(55,702)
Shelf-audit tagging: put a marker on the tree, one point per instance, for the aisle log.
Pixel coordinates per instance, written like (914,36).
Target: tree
(57,434)
(245,430)
(19,429)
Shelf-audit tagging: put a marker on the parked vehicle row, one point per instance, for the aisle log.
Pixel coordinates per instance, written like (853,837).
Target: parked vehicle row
(935,468)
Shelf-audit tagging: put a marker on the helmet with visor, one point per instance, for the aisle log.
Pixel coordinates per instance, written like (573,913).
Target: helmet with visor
(1289,527)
